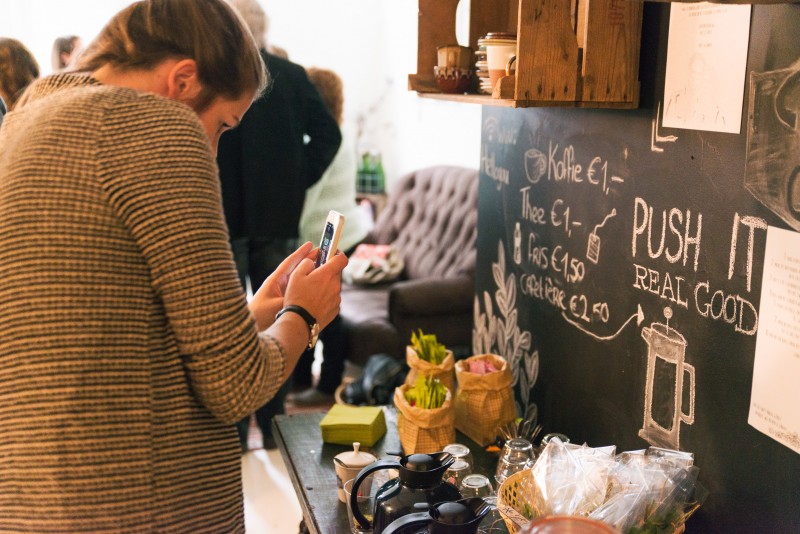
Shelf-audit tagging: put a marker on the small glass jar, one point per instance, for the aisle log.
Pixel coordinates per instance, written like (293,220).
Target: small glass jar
(476,485)
(456,473)
(546,439)
(459,452)
(517,455)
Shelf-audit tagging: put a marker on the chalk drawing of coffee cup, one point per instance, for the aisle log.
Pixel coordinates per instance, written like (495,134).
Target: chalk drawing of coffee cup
(535,165)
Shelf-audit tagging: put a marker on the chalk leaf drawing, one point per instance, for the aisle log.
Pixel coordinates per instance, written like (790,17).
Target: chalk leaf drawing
(500,333)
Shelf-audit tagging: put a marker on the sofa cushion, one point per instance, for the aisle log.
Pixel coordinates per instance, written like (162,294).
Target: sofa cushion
(432,218)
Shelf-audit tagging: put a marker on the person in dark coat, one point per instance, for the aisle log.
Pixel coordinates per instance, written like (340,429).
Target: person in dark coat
(285,142)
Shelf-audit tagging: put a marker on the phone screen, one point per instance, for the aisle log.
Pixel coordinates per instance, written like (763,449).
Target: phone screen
(325,245)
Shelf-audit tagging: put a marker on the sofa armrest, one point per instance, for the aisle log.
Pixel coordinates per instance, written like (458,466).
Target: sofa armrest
(431,297)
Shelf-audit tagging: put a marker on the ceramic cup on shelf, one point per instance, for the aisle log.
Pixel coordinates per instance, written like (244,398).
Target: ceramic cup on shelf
(455,56)
(500,47)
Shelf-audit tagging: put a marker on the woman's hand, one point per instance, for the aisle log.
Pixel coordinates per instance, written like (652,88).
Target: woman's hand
(269,299)
(318,290)
(296,281)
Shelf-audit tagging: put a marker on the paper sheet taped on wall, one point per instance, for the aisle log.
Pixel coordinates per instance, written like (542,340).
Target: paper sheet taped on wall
(775,398)
(706,62)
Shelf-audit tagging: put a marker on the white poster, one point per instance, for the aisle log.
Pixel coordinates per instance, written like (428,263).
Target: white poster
(775,398)
(706,62)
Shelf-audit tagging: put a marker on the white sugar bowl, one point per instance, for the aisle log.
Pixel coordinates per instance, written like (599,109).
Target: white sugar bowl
(348,464)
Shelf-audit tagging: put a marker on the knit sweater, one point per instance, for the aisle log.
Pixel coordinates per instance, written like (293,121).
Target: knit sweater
(127,350)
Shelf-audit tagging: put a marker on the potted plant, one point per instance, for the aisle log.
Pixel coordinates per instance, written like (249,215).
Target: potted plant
(425,418)
(427,357)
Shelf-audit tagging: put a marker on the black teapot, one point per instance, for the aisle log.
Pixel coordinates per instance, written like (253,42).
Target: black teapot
(420,481)
(457,517)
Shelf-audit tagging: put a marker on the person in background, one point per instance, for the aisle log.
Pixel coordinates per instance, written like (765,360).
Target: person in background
(128,349)
(336,190)
(18,68)
(277,51)
(65,50)
(265,167)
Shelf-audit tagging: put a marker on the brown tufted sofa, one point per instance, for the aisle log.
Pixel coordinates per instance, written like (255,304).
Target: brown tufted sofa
(431,216)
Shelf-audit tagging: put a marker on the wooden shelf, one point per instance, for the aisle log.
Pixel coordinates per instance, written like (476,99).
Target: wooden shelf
(570,53)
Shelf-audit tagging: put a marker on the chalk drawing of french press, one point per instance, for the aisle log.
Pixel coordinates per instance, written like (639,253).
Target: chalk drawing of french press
(664,394)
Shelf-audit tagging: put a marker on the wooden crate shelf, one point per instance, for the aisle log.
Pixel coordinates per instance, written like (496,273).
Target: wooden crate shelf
(570,53)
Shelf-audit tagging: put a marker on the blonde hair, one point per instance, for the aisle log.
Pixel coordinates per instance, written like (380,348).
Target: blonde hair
(255,18)
(208,31)
(330,88)
(18,68)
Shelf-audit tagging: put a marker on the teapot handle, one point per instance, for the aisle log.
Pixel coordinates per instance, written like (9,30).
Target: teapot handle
(371,468)
(411,520)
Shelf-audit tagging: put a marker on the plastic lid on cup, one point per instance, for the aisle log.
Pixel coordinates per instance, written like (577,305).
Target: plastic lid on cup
(501,35)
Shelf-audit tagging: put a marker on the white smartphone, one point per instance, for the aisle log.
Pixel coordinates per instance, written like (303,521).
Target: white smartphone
(330,236)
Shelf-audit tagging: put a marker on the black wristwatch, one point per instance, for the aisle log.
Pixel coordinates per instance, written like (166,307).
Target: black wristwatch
(313,326)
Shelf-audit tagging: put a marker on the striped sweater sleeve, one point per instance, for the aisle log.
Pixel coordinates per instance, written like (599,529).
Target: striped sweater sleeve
(160,177)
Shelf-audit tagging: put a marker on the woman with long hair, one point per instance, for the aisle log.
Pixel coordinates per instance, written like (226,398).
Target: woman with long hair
(128,349)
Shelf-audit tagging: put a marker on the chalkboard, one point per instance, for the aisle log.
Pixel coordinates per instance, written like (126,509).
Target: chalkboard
(603,235)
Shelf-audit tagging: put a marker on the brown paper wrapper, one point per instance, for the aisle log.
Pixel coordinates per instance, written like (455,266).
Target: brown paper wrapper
(484,402)
(421,430)
(418,366)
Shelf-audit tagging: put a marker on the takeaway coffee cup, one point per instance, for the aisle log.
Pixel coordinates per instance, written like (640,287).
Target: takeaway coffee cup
(499,53)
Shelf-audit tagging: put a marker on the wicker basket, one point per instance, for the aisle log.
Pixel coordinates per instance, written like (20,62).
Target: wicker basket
(337,395)
(514,493)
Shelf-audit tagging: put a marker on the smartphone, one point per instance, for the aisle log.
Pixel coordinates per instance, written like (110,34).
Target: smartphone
(330,236)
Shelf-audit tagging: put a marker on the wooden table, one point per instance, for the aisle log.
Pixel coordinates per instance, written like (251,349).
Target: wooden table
(309,462)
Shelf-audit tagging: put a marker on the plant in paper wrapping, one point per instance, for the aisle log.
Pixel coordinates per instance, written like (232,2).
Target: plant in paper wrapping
(427,357)
(571,479)
(485,398)
(424,430)
(645,492)
(651,492)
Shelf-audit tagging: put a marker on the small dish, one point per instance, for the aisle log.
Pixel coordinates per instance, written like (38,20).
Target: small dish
(453,80)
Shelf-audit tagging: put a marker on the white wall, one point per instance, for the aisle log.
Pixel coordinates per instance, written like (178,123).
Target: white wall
(370,43)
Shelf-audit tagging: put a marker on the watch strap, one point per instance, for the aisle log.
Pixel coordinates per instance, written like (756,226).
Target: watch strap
(302,312)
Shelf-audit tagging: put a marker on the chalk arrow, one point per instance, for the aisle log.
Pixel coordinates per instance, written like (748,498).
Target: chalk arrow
(655,137)
(639,316)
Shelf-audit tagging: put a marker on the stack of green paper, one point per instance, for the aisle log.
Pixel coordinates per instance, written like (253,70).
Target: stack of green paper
(344,424)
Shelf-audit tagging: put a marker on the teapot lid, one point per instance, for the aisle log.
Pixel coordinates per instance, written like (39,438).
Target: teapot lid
(452,513)
(356,458)
(422,462)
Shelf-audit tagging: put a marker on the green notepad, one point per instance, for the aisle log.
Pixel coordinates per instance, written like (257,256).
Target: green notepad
(345,424)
